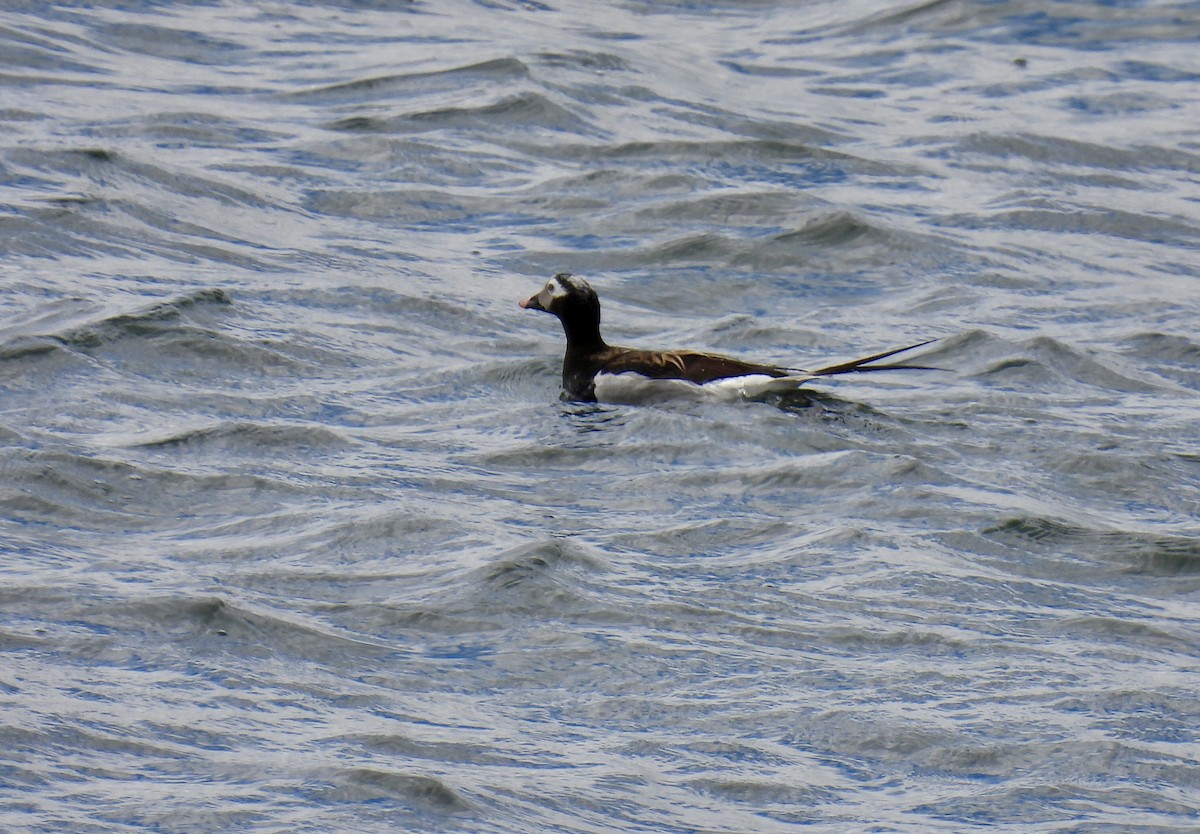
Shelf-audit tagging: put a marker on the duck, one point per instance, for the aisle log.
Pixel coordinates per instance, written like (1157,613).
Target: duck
(594,371)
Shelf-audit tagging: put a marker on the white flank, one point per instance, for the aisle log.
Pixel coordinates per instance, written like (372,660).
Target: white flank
(634,389)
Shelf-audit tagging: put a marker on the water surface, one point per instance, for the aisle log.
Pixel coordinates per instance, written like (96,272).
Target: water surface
(298,535)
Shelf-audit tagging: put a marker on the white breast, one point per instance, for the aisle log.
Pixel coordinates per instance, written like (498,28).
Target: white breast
(634,389)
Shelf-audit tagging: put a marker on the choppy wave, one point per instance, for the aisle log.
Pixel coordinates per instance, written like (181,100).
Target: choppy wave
(300,535)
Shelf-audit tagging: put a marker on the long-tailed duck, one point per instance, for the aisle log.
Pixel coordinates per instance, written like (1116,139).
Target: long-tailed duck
(595,371)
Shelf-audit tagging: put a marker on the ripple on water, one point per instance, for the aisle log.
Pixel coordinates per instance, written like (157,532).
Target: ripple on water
(301,535)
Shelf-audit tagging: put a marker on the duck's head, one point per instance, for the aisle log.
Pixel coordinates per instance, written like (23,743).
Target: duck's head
(575,303)
(564,294)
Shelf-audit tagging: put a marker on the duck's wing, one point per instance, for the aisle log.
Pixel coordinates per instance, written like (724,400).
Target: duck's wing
(682,364)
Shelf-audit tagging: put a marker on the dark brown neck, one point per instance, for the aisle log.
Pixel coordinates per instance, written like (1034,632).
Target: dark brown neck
(583,335)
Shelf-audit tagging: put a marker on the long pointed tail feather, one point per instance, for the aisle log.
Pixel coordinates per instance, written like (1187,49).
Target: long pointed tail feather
(864,364)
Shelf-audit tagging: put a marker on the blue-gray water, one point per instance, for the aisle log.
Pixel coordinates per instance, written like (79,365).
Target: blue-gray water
(298,537)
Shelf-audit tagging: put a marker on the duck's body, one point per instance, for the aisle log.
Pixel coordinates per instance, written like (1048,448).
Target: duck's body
(595,371)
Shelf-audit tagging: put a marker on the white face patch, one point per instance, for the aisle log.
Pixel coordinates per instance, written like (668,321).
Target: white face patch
(552,292)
